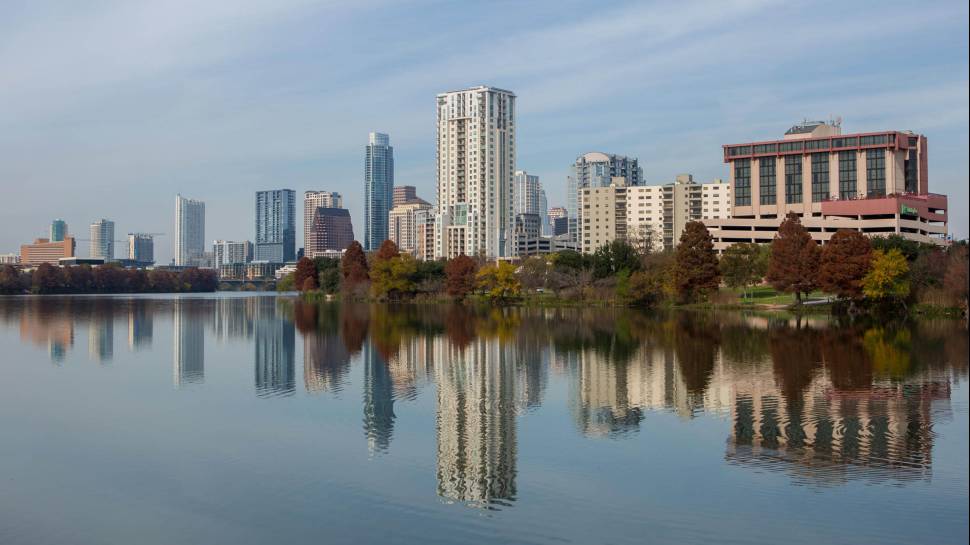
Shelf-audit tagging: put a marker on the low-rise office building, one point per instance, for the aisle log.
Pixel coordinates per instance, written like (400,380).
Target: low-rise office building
(876,183)
(42,250)
(402,224)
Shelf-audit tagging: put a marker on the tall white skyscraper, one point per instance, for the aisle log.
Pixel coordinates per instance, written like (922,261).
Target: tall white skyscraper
(317,199)
(476,164)
(189,231)
(103,239)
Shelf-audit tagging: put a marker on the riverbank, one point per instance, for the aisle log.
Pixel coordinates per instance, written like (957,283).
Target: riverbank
(761,299)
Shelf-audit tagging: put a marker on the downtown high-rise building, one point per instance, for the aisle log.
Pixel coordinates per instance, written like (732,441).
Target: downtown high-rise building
(528,197)
(141,247)
(229,252)
(476,164)
(313,200)
(404,193)
(58,230)
(330,232)
(189,231)
(592,170)
(276,225)
(378,188)
(102,239)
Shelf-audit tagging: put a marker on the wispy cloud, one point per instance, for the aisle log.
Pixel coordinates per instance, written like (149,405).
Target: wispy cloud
(138,100)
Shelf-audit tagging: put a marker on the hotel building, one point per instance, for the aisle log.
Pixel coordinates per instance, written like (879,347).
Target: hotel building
(875,183)
(476,164)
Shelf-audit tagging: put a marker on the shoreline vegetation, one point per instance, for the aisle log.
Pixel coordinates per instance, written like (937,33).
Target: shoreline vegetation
(851,275)
(48,279)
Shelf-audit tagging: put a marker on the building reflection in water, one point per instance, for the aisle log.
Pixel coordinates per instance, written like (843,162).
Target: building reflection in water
(476,423)
(822,402)
(275,341)
(44,326)
(140,325)
(101,338)
(188,335)
(378,401)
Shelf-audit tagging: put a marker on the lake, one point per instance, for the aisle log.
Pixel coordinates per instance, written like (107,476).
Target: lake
(256,418)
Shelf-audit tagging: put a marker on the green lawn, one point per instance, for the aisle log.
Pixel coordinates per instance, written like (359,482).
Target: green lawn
(766,295)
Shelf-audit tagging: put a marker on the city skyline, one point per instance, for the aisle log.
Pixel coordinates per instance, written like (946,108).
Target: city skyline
(208,140)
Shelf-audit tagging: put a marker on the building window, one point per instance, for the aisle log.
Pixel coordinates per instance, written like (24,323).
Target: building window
(820,177)
(910,170)
(876,172)
(742,182)
(847,175)
(766,172)
(793,179)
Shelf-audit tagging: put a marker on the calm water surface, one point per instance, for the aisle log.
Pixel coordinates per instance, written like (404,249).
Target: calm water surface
(260,419)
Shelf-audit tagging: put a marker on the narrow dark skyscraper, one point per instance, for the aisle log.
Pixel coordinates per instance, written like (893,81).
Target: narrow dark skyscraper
(378,189)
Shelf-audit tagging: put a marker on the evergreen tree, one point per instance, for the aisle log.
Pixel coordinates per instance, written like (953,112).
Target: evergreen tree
(695,263)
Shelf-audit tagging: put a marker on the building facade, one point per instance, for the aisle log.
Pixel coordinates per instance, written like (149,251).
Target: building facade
(42,250)
(378,188)
(403,194)
(102,237)
(475,168)
(332,231)
(875,183)
(141,248)
(596,169)
(58,230)
(229,252)
(313,200)
(402,228)
(189,231)
(275,225)
(649,216)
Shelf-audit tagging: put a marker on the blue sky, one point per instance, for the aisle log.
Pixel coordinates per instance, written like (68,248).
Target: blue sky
(107,109)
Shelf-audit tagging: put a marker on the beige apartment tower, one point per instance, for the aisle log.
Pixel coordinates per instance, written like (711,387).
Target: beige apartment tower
(476,165)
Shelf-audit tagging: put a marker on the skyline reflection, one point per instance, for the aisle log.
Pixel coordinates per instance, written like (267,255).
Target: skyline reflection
(821,401)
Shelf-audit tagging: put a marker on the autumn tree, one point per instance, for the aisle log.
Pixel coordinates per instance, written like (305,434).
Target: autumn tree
(888,277)
(534,273)
(309,284)
(744,264)
(11,280)
(305,269)
(844,263)
(460,276)
(353,266)
(499,281)
(47,279)
(955,280)
(794,259)
(392,273)
(387,250)
(695,263)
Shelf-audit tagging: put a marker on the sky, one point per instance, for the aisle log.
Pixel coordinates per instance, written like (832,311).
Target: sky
(110,108)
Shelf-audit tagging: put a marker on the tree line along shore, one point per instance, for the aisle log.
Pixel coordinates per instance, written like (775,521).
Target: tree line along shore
(850,273)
